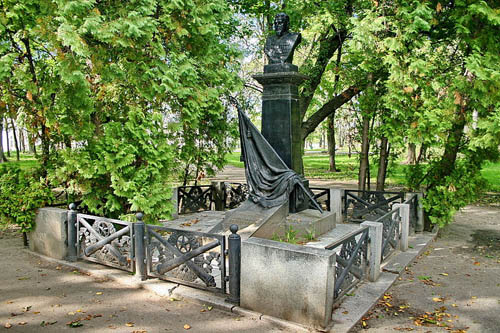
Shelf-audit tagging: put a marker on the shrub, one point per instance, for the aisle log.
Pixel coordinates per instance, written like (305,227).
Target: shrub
(22,192)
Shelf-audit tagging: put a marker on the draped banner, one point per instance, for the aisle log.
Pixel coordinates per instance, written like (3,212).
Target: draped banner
(268,177)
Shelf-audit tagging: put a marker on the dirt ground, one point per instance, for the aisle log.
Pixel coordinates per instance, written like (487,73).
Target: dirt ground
(453,287)
(37,296)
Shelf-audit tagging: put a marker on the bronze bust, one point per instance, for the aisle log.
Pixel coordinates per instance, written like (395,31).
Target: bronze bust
(279,48)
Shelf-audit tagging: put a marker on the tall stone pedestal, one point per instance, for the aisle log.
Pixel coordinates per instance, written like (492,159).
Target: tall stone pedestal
(281,119)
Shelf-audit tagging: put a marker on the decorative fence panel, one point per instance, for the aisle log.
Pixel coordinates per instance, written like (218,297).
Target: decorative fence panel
(234,194)
(362,206)
(322,196)
(193,199)
(105,241)
(351,261)
(192,258)
(391,234)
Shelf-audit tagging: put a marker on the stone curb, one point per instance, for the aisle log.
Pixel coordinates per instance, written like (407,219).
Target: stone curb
(367,294)
(169,289)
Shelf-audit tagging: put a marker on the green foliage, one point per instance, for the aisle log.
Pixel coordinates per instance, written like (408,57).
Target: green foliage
(22,192)
(136,88)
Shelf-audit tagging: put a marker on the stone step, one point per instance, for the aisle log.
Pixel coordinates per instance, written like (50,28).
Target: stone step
(340,232)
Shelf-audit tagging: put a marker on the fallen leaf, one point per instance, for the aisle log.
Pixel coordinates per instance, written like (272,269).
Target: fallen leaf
(99,293)
(438,299)
(454,305)
(27,308)
(8,325)
(129,324)
(203,310)
(71,313)
(443,274)
(210,308)
(29,96)
(74,324)
(345,312)
(58,268)
(186,327)
(22,323)
(474,297)
(477,263)
(24,278)
(9,302)
(36,312)
(173,299)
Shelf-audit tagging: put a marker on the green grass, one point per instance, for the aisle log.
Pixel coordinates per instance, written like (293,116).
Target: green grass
(27,161)
(316,167)
(491,172)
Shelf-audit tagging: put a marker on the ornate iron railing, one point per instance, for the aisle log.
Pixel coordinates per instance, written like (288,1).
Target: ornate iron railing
(413,202)
(192,258)
(391,235)
(362,206)
(193,199)
(322,196)
(235,194)
(351,261)
(105,241)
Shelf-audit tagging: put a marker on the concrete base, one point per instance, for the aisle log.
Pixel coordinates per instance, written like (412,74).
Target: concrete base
(252,218)
(50,236)
(303,223)
(288,281)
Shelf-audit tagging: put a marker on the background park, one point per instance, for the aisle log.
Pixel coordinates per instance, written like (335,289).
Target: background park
(113,104)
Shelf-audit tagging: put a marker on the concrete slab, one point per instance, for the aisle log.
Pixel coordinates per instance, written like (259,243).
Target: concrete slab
(274,282)
(50,235)
(209,222)
(340,232)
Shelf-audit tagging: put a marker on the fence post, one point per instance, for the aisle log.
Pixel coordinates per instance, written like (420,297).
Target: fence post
(336,205)
(175,202)
(404,212)
(218,191)
(234,265)
(140,249)
(375,248)
(72,233)
(419,226)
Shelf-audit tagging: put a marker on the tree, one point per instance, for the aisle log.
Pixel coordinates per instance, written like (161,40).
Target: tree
(128,85)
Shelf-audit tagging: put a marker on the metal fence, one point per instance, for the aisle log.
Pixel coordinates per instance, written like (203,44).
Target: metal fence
(322,196)
(105,241)
(362,206)
(188,257)
(193,199)
(351,261)
(235,194)
(391,234)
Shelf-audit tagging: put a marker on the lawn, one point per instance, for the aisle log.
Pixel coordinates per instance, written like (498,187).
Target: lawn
(316,167)
(27,161)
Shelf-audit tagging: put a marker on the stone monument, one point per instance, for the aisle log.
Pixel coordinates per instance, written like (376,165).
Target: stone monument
(280,101)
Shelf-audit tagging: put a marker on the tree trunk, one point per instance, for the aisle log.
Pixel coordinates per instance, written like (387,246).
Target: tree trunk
(21,140)
(382,164)
(363,158)
(331,142)
(411,159)
(421,154)
(2,155)
(7,136)
(45,148)
(15,138)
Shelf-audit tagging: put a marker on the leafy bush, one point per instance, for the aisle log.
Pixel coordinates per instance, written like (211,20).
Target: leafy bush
(22,192)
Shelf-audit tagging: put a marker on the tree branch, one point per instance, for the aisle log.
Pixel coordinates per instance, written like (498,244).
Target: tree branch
(310,124)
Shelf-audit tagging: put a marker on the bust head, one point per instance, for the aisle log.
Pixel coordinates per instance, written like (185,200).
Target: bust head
(281,24)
